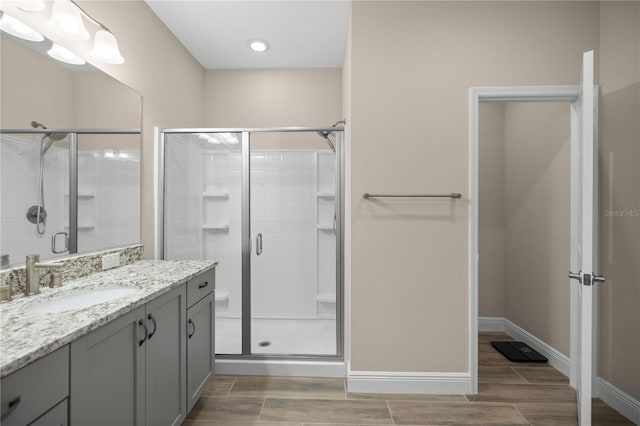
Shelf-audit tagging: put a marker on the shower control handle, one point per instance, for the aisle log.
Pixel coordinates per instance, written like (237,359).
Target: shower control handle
(259,245)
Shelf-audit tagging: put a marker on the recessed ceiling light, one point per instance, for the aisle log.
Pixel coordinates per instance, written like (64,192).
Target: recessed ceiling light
(258,45)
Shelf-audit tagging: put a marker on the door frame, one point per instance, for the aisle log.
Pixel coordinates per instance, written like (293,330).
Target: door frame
(477,95)
(333,362)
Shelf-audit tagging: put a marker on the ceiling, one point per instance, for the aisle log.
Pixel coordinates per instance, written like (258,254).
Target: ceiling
(302,34)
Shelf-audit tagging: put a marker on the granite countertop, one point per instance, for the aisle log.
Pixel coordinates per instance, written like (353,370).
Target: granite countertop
(26,336)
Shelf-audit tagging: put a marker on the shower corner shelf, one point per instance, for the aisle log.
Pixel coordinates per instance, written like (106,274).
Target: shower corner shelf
(324,227)
(325,195)
(326,298)
(215,195)
(82,227)
(83,195)
(223,227)
(222,296)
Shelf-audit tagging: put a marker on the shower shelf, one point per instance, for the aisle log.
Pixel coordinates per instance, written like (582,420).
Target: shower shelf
(325,227)
(222,296)
(224,227)
(215,195)
(326,298)
(325,195)
(83,227)
(83,195)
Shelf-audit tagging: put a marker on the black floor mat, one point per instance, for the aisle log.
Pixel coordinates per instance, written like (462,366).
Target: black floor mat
(518,352)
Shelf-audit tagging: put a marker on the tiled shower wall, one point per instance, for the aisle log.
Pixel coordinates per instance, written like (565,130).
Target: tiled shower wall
(108,202)
(292,206)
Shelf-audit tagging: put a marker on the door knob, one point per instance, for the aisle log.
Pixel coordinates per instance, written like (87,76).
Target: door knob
(575,276)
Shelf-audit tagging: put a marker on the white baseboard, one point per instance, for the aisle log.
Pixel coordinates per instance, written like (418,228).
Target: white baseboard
(557,359)
(490,324)
(281,368)
(619,400)
(411,383)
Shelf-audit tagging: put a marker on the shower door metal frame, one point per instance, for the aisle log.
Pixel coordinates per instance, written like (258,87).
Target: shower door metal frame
(72,244)
(160,135)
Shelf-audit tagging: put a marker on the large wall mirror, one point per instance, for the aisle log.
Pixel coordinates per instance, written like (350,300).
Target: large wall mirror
(36,91)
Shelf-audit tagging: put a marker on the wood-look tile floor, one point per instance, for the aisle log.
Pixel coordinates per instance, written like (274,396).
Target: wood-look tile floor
(509,394)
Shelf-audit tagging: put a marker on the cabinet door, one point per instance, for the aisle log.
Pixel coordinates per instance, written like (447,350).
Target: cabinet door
(108,374)
(57,416)
(166,358)
(200,347)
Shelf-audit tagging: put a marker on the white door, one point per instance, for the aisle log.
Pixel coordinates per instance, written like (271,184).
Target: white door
(585,212)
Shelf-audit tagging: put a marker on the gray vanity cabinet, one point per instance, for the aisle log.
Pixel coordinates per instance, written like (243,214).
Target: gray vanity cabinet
(33,391)
(200,347)
(108,374)
(132,371)
(166,358)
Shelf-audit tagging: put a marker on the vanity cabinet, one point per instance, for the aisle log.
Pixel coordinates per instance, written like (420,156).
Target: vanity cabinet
(132,371)
(28,395)
(200,344)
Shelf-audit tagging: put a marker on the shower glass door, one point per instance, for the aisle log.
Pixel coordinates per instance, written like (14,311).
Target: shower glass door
(293,244)
(263,204)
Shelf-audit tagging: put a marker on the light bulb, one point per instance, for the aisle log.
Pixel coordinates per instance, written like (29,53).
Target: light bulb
(105,48)
(61,54)
(12,26)
(258,45)
(66,21)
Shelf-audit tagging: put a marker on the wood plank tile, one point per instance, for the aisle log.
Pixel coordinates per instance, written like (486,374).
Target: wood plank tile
(488,336)
(552,394)
(407,397)
(440,413)
(549,414)
(289,387)
(505,375)
(232,423)
(219,385)
(542,375)
(226,408)
(603,415)
(326,411)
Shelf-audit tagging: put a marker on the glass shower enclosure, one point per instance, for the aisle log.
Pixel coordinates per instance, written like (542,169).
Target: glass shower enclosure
(267,205)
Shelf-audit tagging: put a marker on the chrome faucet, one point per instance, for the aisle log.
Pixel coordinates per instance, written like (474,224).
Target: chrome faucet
(32,285)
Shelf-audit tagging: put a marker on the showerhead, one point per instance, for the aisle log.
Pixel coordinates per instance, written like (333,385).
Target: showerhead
(325,134)
(53,137)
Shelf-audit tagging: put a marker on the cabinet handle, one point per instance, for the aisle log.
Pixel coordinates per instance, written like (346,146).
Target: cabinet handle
(155,326)
(194,328)
(13,404)
(204,284)
(146,332)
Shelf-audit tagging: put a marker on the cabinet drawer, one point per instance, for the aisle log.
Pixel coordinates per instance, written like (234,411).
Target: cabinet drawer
(33,390)
(200,286)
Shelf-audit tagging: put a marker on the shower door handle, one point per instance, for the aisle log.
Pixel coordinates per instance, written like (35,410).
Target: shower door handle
(66,242)
(259,245)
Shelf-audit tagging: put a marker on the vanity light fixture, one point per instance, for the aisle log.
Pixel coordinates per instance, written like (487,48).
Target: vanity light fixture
(258,45)
(66,21)
(105,48)
(11,25)
(61,54)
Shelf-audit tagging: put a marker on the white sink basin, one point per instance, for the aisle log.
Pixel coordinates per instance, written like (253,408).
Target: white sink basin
(81,300)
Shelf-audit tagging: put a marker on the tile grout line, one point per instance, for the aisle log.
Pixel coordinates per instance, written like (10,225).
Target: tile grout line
(520,375)
(386,402)
(264,402)
(515,407)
